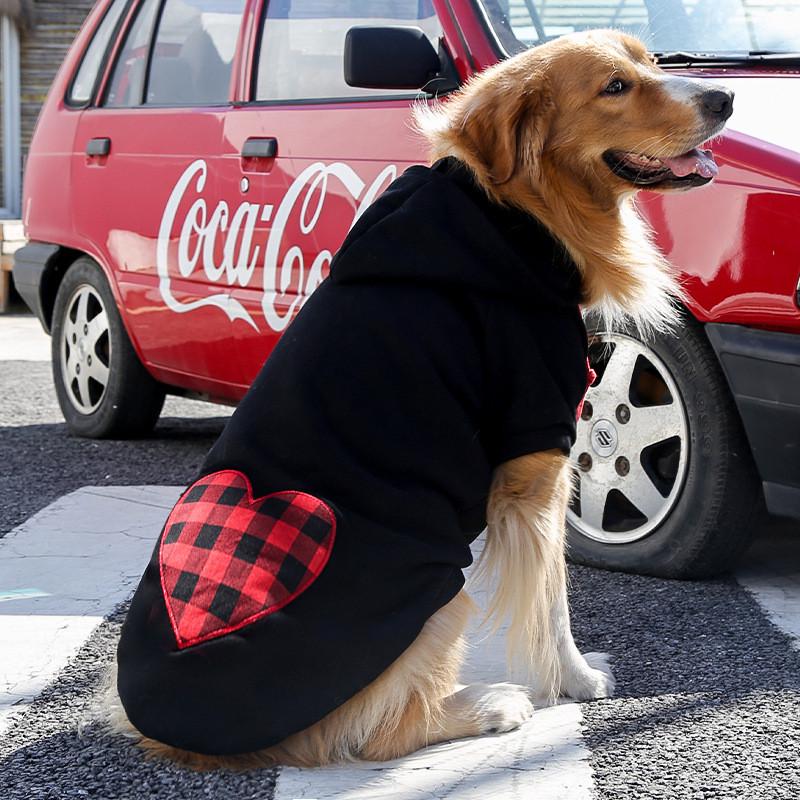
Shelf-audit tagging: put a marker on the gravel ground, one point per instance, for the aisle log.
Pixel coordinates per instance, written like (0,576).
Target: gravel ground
(57,752)
(708,691)
(708,699)
(41,461)
(44,756)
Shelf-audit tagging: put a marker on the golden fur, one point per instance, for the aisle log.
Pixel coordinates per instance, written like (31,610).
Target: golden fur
(546,157)
(528,494)
(533,130)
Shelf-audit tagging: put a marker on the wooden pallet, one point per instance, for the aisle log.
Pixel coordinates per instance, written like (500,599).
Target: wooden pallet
(6,265)
(11,239)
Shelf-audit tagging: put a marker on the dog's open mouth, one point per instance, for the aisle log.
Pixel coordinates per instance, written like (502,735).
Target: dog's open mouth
(693,168)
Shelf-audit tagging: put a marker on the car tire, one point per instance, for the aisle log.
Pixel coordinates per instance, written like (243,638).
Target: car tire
(102,387)
(666,483)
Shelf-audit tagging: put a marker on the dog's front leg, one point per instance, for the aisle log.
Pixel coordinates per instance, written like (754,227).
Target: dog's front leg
(525,556)
(584,676)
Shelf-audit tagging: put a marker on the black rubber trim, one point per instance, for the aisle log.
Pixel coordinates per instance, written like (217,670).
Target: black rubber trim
(782,500)
(30,265)
(491,33)
(151,48)
(763,371)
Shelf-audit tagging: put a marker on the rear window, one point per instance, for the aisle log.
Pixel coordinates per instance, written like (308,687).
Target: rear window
(302,44)
(127,81)
(85,80)
(193,53)
(178,53)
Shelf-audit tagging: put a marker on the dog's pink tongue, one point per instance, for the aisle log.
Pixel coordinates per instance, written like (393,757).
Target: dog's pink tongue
(699,161)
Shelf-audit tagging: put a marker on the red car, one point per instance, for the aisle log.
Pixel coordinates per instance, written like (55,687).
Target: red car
(198,162)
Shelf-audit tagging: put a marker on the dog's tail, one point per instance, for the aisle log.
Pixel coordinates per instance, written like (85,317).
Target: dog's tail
(524,559)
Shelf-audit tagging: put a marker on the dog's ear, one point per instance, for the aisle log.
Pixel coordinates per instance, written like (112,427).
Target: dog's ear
(503,121)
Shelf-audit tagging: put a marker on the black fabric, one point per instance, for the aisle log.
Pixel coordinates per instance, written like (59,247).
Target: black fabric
(447,340)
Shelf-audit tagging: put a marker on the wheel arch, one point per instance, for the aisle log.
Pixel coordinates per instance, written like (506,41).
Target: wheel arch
(707,327)
(654,553)
(54,272)
(40,268)
(693,314)
(56,267)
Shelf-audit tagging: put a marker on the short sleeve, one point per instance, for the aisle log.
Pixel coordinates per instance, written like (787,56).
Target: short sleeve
(537,378)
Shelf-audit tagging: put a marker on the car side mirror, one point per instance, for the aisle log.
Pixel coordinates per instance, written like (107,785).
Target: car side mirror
(397,57)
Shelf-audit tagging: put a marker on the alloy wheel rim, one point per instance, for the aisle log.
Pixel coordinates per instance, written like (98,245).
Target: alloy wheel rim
(631,450)
(85,350)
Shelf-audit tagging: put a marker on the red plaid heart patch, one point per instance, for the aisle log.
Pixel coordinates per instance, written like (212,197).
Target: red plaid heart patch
(227,560)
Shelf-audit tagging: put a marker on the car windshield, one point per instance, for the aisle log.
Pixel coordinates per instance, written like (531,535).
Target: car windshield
(723,28)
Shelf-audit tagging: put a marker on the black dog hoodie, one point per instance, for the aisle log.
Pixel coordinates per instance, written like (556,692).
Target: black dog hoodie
(335,513)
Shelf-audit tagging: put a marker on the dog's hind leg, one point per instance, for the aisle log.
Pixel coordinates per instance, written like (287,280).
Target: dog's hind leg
(414,703)
(436,712)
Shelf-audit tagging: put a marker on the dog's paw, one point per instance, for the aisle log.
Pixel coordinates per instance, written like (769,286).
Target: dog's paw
(591,680)
(497,707)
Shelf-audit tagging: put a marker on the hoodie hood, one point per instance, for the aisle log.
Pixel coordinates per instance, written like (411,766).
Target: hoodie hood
(436,226)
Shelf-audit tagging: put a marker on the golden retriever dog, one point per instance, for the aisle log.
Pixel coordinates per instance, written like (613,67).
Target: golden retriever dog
(567,133)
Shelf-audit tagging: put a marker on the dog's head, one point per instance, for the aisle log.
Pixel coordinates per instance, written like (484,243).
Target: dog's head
(591,106)
(569,131)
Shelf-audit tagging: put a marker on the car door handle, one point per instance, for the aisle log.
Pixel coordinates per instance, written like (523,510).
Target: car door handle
(260,148)
(98,147)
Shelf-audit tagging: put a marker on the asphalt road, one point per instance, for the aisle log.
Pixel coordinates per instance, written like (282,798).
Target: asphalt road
(708,702)
(41,461)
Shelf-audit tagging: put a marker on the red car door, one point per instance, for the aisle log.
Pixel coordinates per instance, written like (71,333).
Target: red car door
(146,163)
(305,154)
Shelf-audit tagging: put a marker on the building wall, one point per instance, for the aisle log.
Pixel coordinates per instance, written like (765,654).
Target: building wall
(41,52)
(2,131)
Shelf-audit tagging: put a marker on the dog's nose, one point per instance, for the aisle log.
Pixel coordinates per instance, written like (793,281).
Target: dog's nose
(717,102)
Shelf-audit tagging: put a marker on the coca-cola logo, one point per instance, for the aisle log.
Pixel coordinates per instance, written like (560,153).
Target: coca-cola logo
(223,242)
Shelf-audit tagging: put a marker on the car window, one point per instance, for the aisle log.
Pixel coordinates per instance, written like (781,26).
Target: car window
(85,79)
(193,52)
(703,26)
(126,87)
(302,44)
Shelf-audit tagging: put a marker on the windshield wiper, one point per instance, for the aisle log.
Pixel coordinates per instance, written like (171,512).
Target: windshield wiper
(755,57)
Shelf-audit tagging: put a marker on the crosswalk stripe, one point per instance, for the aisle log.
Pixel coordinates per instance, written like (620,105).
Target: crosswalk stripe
(771,573)
(544,759)
(84,554)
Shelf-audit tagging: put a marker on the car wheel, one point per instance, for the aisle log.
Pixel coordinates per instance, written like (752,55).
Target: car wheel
(102,387)
(665,482)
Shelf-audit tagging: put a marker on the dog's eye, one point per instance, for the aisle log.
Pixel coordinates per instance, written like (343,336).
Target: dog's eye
(616,86)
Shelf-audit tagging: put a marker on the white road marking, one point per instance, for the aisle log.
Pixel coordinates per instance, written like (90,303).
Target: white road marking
(84,553)
(545,758)
(770,571)
(35,649)
(23,339)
